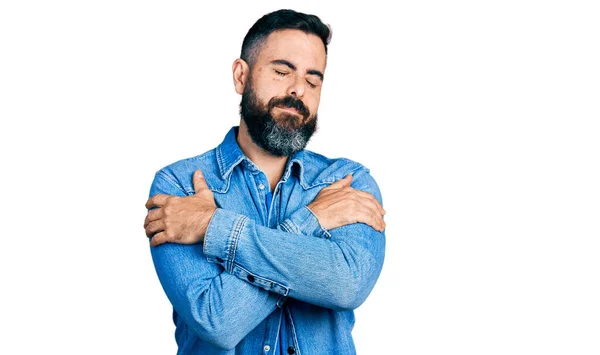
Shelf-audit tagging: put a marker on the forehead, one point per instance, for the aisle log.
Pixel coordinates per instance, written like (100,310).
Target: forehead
(301,49)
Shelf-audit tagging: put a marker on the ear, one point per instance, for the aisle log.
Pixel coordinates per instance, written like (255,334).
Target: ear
(240,75)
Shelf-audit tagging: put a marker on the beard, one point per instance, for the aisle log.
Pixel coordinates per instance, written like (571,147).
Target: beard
(279,137)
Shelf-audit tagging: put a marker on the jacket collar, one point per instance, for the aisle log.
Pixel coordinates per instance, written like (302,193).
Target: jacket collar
(229,155)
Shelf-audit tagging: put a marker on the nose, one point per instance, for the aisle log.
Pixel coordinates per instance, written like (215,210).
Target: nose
(297,87)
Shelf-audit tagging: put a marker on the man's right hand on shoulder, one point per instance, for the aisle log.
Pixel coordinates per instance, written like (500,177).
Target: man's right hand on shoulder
(181,220)
(340,204)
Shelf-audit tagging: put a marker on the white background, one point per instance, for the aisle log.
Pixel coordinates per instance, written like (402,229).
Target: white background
(478,119)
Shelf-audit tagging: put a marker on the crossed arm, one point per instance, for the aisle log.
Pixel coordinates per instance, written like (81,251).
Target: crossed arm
(246,269)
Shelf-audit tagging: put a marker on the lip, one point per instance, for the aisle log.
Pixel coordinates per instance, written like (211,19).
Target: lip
(289,110)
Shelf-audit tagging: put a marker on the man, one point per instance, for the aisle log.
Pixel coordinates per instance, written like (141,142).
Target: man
(260,245)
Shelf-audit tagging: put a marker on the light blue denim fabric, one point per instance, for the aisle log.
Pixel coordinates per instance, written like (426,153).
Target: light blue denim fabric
(230,293)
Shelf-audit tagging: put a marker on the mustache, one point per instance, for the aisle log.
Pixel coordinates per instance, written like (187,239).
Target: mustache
(290,102)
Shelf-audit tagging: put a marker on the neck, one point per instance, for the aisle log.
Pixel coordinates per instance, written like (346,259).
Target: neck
(272,166)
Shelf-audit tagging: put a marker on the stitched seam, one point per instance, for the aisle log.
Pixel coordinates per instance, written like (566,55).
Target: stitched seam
(230,242)
(171,182)
(322,229)
(220,161)
(278,330)
(206,240)
(264,279)
(329,182)
(294,333)
(286,226)
(237,231)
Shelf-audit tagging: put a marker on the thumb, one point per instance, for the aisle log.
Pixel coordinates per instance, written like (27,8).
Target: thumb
(342,182)
(199,182)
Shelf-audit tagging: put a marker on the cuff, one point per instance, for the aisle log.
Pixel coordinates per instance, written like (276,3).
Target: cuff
(305,222)
(222,235)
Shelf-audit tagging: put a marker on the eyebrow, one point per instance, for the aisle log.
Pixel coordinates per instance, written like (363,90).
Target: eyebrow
(293,67)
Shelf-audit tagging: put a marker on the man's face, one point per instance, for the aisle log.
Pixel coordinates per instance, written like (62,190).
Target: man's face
(280,101)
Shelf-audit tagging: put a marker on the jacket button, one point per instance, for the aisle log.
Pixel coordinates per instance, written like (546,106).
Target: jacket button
(291,350)
(250,278)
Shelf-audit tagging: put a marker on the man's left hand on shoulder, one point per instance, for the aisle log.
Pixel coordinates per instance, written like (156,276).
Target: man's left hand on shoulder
(181,220)
(339,204)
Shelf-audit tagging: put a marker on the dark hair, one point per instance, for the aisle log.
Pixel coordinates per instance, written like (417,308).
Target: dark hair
(281,20)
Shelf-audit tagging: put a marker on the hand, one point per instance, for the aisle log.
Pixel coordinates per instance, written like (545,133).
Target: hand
(339,204)
(182,220)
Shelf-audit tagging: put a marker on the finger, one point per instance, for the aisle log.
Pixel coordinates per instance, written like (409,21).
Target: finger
(377,222)
(158,239)
(372,198)
(199,181)
(369,201)
(372,218)
(381,222)
(341,183)
(379,217)
(154,215)
(155,227)
(157,201)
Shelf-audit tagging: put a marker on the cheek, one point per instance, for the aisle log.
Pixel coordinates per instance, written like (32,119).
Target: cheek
(265,86)
(313,103)
(269,89)
(263,94)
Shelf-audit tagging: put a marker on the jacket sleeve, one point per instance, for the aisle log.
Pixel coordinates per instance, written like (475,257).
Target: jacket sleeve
(335,269)
(219,307)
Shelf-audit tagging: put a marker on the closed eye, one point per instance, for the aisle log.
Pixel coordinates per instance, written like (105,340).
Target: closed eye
(280,73)
(311,84)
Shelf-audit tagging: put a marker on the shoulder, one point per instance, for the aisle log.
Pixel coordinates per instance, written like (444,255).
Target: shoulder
(321,170)
(180,173)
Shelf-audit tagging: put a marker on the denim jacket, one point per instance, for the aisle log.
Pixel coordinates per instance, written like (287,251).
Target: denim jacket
(230,293)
